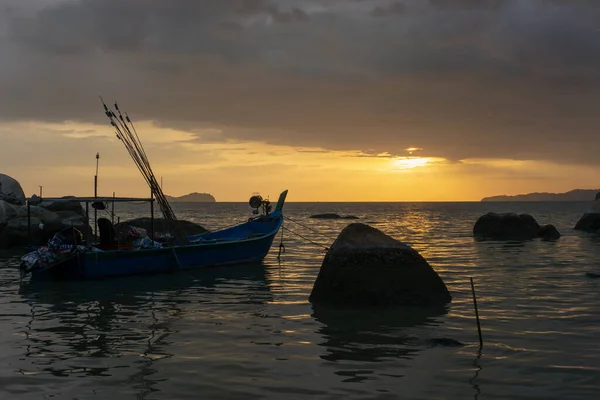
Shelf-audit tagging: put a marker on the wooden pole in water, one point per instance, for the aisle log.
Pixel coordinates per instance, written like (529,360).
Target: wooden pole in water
(476,314)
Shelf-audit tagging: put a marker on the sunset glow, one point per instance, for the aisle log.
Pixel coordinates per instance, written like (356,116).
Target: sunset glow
(309,96)
(232,170)
(404,163)
(411,150)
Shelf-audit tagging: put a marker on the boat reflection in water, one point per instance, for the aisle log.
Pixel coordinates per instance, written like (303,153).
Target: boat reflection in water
(121,327)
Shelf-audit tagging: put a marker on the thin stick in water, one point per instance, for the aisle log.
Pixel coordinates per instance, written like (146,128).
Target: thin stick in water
(476,314)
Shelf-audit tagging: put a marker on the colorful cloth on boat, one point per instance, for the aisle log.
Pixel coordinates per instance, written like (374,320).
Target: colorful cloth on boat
(61,246)
(137,232)
(145,243)
(46,257)
(141,238)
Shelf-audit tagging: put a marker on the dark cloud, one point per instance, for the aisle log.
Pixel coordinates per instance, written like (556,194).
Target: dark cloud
(395,8)
(200,26)
(468,4)
(295,15)
(460,79)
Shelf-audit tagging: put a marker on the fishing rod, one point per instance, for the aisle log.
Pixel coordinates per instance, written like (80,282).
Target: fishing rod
(136,150)
(136,141)
(130,144)
(121,136)
(141,154)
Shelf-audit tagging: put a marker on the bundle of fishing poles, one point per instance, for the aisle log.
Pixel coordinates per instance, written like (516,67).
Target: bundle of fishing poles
(127,134)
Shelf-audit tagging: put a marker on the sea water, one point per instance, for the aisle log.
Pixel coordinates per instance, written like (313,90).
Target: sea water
(249,332)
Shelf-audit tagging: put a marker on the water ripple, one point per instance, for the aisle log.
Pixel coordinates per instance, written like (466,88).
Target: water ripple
(250,332)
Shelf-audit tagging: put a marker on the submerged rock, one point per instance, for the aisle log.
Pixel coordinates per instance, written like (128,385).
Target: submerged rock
(444,342)
(365,267)
(511,226)
(333,216)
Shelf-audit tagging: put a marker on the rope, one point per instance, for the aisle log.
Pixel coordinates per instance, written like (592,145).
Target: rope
(281,245)
(309,228)
(325,248)
(176,258)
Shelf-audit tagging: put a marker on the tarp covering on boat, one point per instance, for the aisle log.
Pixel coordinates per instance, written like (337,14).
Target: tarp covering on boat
(63,245)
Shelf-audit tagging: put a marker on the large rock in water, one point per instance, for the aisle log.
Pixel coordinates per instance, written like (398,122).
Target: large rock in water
(11,190)
(161,227)
(365,267)
(511,226)
(589,222)
(7,211)
(15,228)
(56,206)
(46,218)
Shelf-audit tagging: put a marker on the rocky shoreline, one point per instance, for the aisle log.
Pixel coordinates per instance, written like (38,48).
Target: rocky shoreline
(46,217)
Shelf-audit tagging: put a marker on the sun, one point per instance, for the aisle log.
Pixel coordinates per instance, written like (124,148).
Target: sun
(403,163)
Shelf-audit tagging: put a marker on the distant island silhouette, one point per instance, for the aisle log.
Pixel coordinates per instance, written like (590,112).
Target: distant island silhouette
(192,198)
(573,195)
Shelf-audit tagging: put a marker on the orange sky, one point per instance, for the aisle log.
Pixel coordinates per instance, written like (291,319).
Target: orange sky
(61,157)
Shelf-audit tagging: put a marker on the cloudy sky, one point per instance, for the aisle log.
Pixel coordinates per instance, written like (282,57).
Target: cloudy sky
(343,100)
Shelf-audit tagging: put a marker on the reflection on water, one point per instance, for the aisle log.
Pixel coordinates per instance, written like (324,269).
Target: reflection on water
(473,380)
(372,334)
(120,327)
(250,332)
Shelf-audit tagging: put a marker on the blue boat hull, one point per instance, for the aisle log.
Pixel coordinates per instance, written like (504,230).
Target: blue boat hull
(246,243)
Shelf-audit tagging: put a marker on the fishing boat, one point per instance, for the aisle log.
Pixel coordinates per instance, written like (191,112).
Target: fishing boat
(71,254)
(68,256)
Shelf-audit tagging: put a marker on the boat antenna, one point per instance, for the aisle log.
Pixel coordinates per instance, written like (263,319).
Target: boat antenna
(127,134)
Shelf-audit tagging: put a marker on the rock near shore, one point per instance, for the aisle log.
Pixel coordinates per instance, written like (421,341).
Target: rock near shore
(589,222)
(511,226)
(365,267)
(46,218)
(11,190)
(162,227)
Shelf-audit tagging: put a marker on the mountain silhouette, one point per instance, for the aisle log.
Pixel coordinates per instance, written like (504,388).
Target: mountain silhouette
(573,195)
